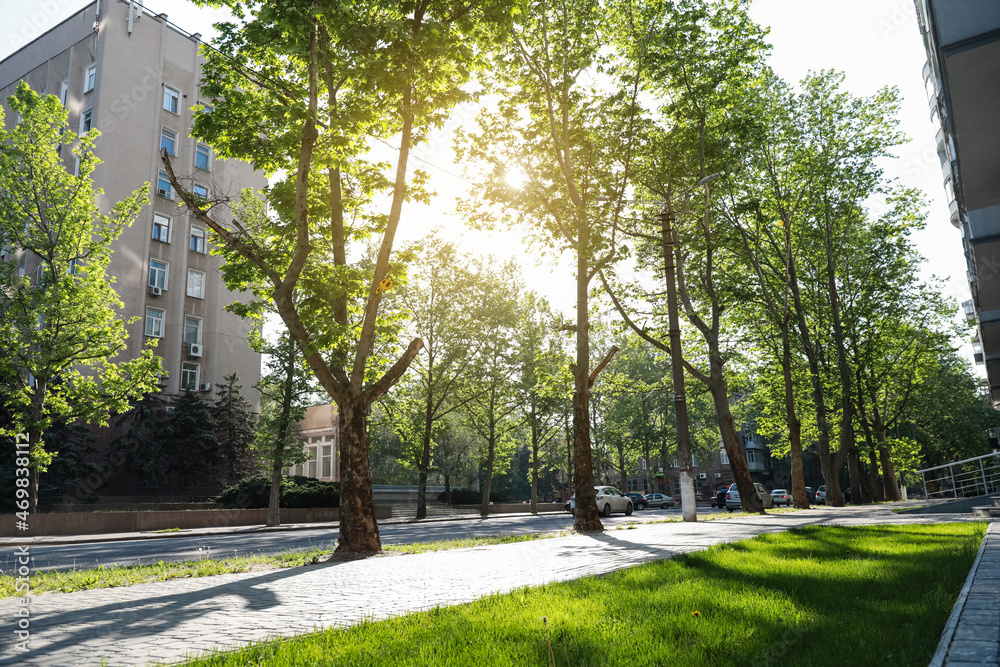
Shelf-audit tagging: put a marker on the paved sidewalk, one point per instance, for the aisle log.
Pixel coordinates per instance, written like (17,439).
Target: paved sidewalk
(972,634)
(166,621)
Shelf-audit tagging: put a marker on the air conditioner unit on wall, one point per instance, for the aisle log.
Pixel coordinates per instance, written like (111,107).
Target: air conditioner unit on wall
(195,350)
(206,386)
(161,191)
(702,475)
(156,291)
(718,475)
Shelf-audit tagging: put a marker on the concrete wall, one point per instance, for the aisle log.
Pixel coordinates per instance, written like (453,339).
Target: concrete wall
(98,523)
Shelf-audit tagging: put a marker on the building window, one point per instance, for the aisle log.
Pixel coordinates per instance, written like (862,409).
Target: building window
(89,79)
(154,322)
(76,166)
(163,187)
(64,92)
(171,100)
(86,120)
(328,461)
(751,456)
(73,266)
(158,274)
(161,228)
(189,376)
(202,156)
(199,191)
(192,330)
(168,140)
(196,284)
(723,457)
(198,240)
(644,464)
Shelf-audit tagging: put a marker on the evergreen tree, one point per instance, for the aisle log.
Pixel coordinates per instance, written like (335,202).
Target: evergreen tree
(195,452)
(236,430)
(144,444)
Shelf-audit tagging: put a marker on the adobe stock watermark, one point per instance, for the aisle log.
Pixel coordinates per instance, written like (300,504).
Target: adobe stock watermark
(22,557)
(900,15)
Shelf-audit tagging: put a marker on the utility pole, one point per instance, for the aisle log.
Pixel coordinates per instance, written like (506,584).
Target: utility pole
(688,509)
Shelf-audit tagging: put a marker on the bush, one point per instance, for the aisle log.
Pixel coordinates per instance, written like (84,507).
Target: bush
(296,491)
(467,497)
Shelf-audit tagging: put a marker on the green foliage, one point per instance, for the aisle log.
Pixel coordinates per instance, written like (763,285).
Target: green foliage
(195,454)
(296,491)
(60,330)
(144,443)
(235,428)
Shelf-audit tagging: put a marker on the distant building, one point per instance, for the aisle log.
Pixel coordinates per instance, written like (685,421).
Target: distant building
(962,40)
(135,77)
(319,432)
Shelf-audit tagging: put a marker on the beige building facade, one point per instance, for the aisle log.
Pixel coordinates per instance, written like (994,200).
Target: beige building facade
(319,433)
(135,77)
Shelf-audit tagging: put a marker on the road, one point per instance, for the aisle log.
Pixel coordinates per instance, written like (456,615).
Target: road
(197,547)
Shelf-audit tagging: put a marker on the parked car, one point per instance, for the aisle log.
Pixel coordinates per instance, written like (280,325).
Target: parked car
(821,495)
(847,495)
(811,494)
(733,497)
(781,497)
(659,500)
(638,500)
(609,499)
(720,497)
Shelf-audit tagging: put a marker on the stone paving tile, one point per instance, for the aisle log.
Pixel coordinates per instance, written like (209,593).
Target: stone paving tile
(168,620)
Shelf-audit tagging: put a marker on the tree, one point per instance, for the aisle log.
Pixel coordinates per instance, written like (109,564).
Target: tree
(144,443)
(440,298)
(491,401)
(544,377)
(284,390)
(569,142)
(299,88)
(60,329)
(236,430)
(195,455)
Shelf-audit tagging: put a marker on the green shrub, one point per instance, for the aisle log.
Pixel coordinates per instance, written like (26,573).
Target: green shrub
(296,491)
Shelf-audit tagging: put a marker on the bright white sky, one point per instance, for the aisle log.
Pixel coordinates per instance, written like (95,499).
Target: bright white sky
(875,43)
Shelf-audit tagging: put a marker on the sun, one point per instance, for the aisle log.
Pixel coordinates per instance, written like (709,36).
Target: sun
(514,177)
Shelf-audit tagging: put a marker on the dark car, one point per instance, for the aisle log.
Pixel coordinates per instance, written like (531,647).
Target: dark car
(811,494)
(720,497)
(638,500)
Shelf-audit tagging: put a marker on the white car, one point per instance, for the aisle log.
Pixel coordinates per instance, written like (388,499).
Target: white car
(659,500)
(609,499)
(821,495)
(733,497)
(781,497)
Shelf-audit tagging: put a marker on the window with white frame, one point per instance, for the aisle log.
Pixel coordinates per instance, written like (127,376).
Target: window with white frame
(198,240)
(196,284)
(86,120)
(189,376)
(154,322)
(158,273)
(73,266)
(192,330)
(202,156)
(163,187)
(200,191)
(723,457)
(64,92)
(751,456)
(168,140)
(161,228)
(90,78)
(171,99)
(76,166)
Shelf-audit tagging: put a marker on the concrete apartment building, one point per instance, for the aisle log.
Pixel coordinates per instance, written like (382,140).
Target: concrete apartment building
(135,77)
(962,39)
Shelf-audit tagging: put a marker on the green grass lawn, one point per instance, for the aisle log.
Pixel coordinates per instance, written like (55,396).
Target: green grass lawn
(816,596)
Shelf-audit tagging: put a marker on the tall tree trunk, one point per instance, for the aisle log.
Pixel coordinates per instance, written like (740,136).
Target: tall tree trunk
(424,465)
(800,498)
(749,499)
(491,442)
(586,518)
(359,531)
(447,488)
(534,459)
(874,478)
(888,470)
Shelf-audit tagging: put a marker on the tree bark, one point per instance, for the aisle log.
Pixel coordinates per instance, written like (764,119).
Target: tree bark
(749,500)
(484,509)
(359,531)
(800,498)
(534,459)
(888,470)
(874,478)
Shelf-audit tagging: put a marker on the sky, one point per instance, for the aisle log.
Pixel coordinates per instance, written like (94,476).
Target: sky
(875,44)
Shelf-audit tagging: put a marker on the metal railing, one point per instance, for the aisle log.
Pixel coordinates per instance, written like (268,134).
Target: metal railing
(973,477)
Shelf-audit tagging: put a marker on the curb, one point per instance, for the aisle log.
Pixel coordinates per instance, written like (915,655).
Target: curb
(956,613)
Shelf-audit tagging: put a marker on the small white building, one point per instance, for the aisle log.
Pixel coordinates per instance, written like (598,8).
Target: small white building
(319,433)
